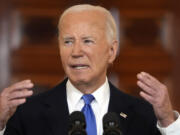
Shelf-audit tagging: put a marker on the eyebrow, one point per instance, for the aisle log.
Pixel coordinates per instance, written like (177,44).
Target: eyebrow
(88,37)
(72,38)
(68,38)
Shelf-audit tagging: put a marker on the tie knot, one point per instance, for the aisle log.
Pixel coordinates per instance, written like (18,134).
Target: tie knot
(88,98)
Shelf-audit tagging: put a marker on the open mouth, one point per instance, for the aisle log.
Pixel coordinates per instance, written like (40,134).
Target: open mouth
(79,66)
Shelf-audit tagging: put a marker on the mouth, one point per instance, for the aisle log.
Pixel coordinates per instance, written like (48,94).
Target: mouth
(79,66)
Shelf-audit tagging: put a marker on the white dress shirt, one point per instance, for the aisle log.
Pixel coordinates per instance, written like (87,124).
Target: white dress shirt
(99,105)
(172,129)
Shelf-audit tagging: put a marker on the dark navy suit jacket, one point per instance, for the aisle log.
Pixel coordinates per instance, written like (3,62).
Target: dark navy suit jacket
(47,114)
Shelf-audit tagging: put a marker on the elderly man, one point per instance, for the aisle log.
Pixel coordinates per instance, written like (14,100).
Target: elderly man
(88,45)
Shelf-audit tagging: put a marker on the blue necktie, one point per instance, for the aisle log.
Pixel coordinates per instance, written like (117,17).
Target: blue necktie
(89,115)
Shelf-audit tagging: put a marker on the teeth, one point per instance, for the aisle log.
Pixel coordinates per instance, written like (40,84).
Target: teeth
(80,67)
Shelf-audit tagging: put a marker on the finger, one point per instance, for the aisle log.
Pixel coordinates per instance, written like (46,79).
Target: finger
(20,94)
(149,80)
(160,88)
(157,85)
(144,78)
(150,76)
(26,84)
(147,97)
(146,88)
(153,79)
(16,102)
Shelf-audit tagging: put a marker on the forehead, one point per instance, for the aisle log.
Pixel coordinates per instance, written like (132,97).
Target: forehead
(83,19)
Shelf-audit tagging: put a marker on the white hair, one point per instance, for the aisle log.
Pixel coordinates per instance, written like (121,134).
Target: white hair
(111,30)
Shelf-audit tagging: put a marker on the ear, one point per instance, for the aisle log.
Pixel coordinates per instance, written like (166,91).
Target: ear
(113,51)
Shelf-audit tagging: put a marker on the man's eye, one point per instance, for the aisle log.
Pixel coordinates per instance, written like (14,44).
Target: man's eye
(87,41)
(68,42)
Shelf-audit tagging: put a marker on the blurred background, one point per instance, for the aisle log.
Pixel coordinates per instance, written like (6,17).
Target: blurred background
(149,37)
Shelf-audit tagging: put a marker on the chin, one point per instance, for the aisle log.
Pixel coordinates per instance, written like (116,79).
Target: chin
(79,80)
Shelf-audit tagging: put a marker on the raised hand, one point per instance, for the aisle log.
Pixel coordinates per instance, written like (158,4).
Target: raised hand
(12,97)
(156,93)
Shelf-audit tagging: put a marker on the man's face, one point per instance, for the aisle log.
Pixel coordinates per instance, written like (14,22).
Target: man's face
(84,50)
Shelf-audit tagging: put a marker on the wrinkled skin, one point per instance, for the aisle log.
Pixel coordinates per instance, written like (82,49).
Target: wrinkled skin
(12,97)
(156,94)
(84,49)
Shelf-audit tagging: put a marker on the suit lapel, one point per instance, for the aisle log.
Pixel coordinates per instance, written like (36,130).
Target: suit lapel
(120,105)
(56,110)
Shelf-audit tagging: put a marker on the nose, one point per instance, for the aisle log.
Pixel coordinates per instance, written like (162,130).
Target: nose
(77,50)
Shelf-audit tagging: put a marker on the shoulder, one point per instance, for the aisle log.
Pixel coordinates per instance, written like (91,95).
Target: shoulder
(44,99)
(135,105)
(140,115)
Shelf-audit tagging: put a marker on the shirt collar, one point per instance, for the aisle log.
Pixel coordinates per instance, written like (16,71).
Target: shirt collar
(102,93)
(74,95)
